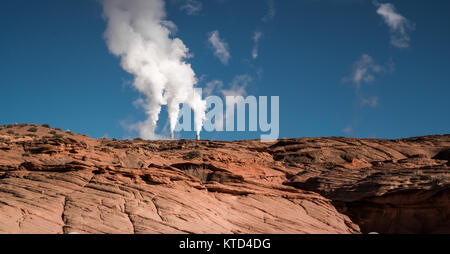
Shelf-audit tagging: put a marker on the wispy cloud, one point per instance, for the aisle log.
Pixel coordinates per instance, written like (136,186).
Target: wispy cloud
(191,7)
(371,101)
(398,25)
(139,103)
(220,47)
(256,37)
(364,71)
(212,86)
(348,130)
(271,11)
(238,86)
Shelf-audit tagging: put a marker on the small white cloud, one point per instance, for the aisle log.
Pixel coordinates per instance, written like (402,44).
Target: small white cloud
(348,130)
(256,37)
(238,86)
(170,26)
(221,49)
(259,72)
(364,71)
(191,7)
(371,102)
(398,25)
(212,86)
(139,103)
(270,12)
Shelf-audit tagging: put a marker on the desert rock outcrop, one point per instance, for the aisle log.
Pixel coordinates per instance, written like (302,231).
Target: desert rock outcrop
(53,181)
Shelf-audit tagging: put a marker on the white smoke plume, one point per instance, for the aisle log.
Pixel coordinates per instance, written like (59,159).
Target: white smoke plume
(140,35)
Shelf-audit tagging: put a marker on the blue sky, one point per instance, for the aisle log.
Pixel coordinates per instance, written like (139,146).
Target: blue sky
(56,67)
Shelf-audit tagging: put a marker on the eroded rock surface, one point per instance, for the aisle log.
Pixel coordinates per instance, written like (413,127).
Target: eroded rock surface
(59,182)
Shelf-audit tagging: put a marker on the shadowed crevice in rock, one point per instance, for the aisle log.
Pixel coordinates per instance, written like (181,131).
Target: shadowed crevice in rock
(443,155)
(207,173)
(403,212)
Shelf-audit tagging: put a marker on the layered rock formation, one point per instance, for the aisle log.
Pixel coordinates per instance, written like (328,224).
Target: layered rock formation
(59,182)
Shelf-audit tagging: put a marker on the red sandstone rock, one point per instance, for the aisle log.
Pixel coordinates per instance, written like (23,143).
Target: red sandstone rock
(64,183)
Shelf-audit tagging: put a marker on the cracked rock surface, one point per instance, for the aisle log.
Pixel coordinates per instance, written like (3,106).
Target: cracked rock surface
(59,182)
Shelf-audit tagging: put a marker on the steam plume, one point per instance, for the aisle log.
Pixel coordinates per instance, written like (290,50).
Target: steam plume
(140,35)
